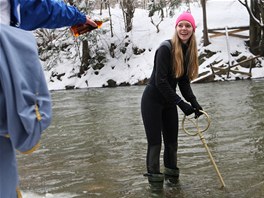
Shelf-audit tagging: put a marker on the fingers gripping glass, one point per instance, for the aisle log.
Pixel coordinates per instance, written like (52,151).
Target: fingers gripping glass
(197,126)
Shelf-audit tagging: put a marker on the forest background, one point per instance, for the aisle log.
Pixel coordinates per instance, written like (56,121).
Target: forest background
(121,53)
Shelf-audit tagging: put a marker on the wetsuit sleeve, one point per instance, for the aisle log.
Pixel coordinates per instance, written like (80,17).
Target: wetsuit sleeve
(48,14)
(163,70)
(186,90)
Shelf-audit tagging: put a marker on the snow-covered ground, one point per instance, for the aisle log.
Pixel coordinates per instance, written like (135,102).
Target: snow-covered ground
(130,68)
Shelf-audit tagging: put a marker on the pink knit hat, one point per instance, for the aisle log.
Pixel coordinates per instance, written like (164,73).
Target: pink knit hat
(186,16)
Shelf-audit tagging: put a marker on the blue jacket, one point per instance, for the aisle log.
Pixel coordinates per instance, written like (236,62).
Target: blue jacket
(25,103)
(32,14)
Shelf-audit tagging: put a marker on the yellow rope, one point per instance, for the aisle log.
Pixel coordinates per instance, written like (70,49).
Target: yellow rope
(200,133)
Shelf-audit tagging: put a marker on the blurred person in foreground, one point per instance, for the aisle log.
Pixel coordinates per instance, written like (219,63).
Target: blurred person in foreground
(25,102)
(175,63)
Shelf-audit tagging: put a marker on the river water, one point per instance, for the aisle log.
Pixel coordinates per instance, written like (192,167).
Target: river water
(96,146)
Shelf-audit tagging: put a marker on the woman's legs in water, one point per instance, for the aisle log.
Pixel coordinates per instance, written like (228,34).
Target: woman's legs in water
(151,112)
(170,135)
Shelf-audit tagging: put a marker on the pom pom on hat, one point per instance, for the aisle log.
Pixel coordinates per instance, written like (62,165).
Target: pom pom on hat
(186,16)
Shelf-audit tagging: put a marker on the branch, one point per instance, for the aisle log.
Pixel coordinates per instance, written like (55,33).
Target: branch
(251,14)
(242,3)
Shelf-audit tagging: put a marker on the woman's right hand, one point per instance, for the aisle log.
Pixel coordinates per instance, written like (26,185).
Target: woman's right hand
(197,109)
(186,108)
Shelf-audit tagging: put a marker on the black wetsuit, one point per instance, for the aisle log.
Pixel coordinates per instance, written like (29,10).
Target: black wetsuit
(159,109)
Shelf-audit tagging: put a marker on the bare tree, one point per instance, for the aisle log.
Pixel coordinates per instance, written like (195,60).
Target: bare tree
(128,9)
(157,7)
(256,30)
(205,29)
(103,5)
(110,19)
(85,57)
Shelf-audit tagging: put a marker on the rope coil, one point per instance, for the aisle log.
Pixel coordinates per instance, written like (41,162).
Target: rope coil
(200,133)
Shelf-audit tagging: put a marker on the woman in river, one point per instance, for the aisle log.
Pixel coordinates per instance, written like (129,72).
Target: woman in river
(175,63)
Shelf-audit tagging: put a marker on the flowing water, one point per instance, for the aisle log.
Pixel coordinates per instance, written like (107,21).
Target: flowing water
(96,146)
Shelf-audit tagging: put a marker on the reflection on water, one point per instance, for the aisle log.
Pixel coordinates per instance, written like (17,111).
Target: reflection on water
(96,146)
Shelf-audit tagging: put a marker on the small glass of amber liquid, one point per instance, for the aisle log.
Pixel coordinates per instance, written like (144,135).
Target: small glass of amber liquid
(79,29)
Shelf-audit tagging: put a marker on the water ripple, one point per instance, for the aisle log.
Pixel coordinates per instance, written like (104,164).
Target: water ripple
(96,146)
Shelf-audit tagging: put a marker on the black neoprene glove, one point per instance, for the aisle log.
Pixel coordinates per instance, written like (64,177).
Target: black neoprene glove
(197,109)
(186,108)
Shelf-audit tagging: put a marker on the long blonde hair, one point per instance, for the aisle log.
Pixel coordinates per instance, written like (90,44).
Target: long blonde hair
(178,57)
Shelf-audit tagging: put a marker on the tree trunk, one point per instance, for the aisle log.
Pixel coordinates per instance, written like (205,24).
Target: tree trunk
(85,57)
(130,14)
(256,26)
(110,18)
(101,7)
(205,29)
(128,9)
(254,29)
(261,7)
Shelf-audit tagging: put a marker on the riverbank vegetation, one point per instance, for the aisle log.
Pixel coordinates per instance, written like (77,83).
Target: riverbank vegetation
(121,52)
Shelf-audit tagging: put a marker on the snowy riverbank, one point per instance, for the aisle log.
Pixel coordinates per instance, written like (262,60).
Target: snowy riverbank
(129,69)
